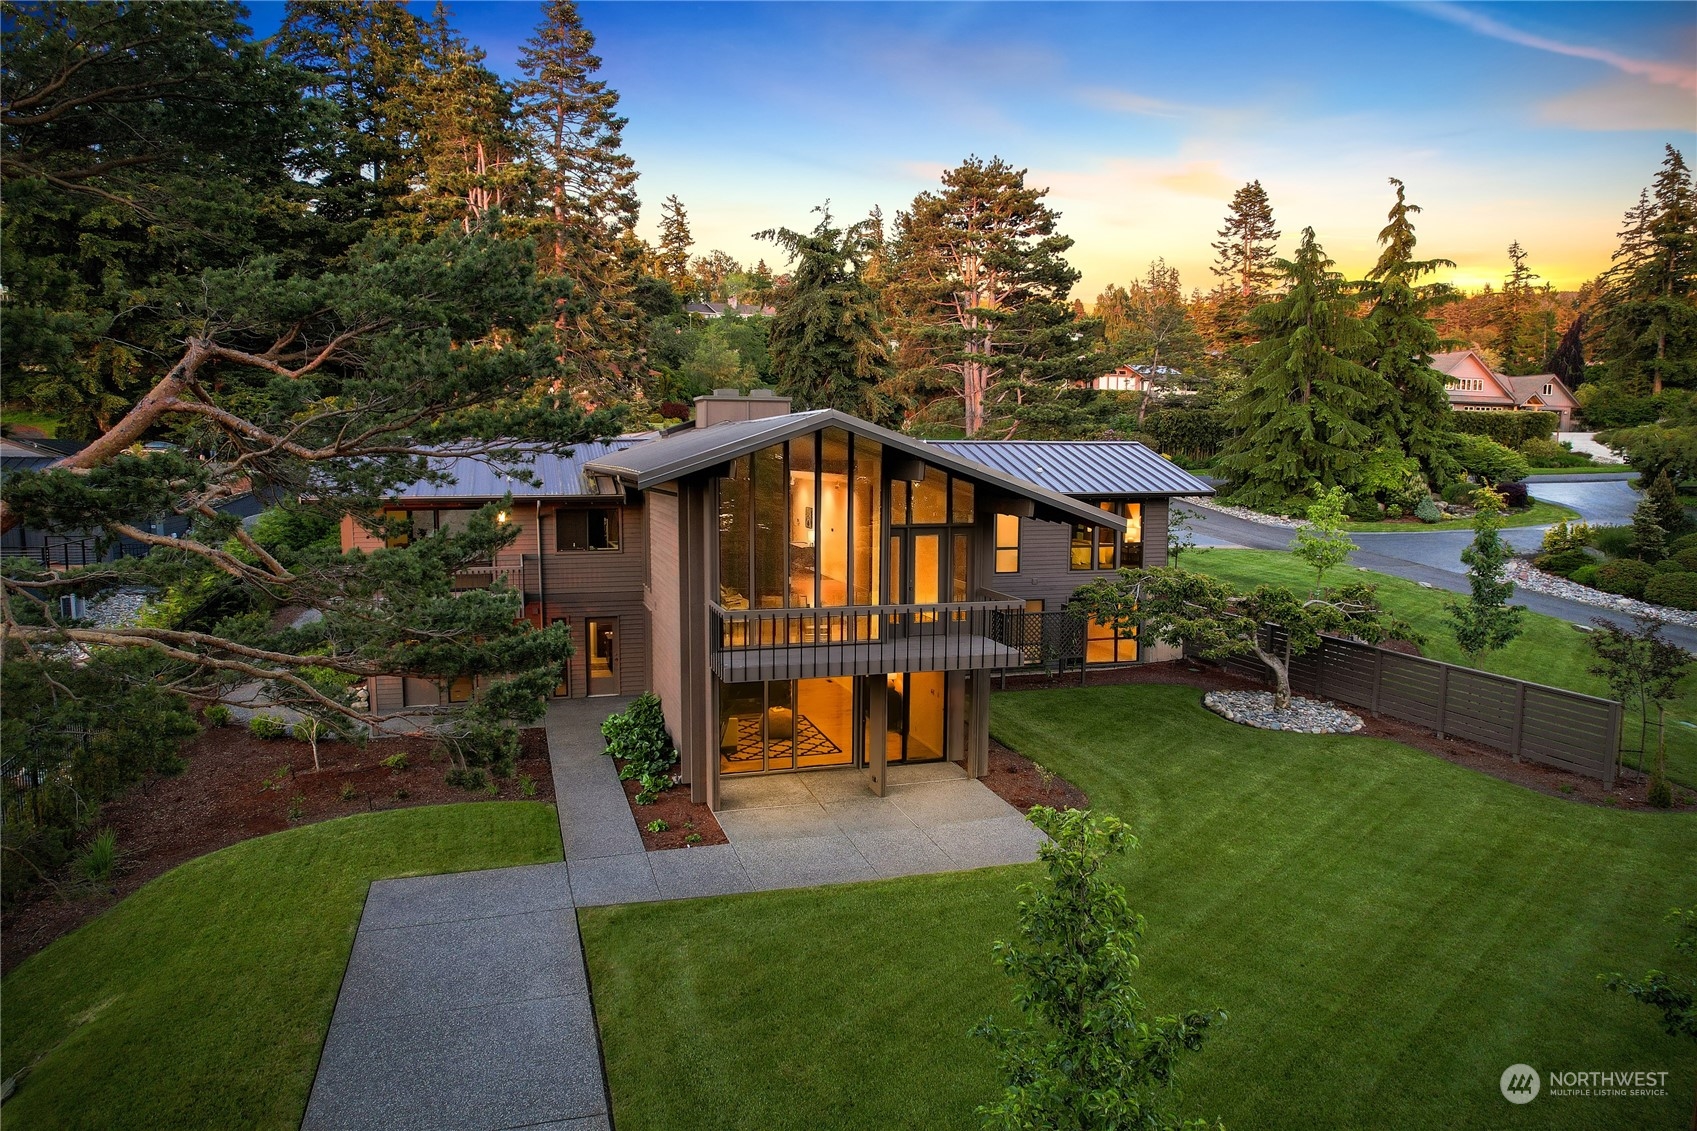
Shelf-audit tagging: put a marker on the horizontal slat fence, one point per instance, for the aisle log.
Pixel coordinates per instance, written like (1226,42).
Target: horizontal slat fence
(1579,733)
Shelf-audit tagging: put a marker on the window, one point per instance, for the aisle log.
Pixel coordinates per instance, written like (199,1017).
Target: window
(402,526)
(593,528)
(1549,390)
(1105,556)
(1007,543)
(1083,544)
(1131,546)
(1103,645)
(460,690)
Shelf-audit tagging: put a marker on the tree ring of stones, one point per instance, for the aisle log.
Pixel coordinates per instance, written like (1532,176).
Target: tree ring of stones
(1305,716)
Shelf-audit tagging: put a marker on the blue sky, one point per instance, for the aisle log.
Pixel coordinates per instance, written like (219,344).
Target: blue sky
(1536,122)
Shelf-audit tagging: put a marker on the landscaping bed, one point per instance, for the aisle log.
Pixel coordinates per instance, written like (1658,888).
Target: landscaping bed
(684,819)
(1023,783)
(237,787)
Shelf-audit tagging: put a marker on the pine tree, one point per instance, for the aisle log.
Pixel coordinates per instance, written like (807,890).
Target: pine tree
(1648,317)
(1244,262)
(1415,416)
(1303,418)
(1521,326)
(981,289)
(672,259)
(587,202)
(1485,621)
(1568,360)
(829,349)
(1159,336)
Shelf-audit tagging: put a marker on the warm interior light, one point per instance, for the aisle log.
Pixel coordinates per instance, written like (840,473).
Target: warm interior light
(501,516)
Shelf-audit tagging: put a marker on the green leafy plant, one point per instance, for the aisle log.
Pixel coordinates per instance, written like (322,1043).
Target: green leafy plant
(527,785)
(692,838)
(466,778)
(297,806)
(1625,576)
(396,761)
(267,727)
(1426,510)
(637,737)
(216,715)
(1087,1057)
(100,857)
(275,780)
(1673,994)
(656,826)
(348,792)
(1565,536)
(401,794)
(653,785)
(1322,542)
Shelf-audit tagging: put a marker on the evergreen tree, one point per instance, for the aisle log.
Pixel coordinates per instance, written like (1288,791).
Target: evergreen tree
(1664,498)
(1523,329)
(672,260)
(1159,336)
(1486,621)
(586,203)
(828,347)
(1246,267)
(760,284)
(1648,316)
(1415,416)
(1303,418)
(1568,361)
(982,290)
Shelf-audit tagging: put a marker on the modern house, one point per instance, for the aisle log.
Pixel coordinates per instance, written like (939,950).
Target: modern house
(1475,387)
(803,590)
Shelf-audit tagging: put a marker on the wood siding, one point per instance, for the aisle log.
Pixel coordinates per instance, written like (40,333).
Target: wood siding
(1045,559)
(661,598)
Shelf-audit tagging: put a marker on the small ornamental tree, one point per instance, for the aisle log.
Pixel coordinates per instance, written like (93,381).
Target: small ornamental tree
(1485,621)
(1179,536)
(1649,536)
(1322,542)
(1637,662)
(1674,994)
(1087,1058)
(1213,620)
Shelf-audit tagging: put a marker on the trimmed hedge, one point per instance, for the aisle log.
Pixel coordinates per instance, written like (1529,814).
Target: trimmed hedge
(1585,575)
(1511,429)
(1675,590)
(1625,576)
(1669,565)
(1686,557)
(1563,562)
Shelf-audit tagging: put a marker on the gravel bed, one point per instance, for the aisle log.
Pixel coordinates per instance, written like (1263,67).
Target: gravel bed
(1305,716)
(1244,513)
(1524,574)
(119,609)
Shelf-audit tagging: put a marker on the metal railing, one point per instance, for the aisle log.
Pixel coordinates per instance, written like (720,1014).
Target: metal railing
(860,639)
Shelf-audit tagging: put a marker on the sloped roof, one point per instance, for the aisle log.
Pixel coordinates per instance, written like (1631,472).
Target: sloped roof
(562,476)
(1094,468)
(698,449)
(1524,389)
(1448,361)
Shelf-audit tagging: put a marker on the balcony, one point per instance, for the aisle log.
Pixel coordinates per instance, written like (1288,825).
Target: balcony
(750,645)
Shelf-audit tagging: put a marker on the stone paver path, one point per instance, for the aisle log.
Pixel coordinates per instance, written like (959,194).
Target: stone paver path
(466,1000)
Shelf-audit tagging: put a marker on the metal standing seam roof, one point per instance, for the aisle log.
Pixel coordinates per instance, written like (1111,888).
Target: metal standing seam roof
(561,475)
(695,449)
(1094,468)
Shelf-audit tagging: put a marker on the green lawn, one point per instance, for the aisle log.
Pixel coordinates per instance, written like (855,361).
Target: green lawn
(202,1000)
(1539,513)
(1388,932)
(1550,651)
(20,418)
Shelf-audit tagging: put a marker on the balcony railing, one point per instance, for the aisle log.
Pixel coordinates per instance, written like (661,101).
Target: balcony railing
(761,644)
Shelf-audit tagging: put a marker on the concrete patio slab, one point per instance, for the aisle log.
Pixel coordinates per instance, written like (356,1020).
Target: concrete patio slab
(840,785)
(901,852)
(762,792)
(784,822)
(602,880)
(981,844)
(466,895)
(709,869)
(870,813)
(618,836)
(944,802)
(906,773)
(804,862)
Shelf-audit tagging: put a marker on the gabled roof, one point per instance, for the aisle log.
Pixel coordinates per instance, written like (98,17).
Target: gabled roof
(699,449)
(1527,389)
(1450,361)
(1097,469)
(561,475)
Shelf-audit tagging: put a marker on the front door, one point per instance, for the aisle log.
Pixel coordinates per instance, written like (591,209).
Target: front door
(604,656)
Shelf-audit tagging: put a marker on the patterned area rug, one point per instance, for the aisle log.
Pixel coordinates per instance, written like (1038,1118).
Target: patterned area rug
(810,741)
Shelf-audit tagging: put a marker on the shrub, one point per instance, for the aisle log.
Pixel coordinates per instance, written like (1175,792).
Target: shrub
(1615,541)
(1562,562)
(1585,575)
(216,715)
(1514,495)
(1675,590)
(1426,510)
(1624,576)
(1486,459)
(1668,565)
(468,778)
(1661,794)
(1683,542)
(1507,426)
(1459,493)
(1686,557)
(99,858)
(1544,453)
(267,727)
(1361,510)
(395,761)
(637,736)
(1566,535)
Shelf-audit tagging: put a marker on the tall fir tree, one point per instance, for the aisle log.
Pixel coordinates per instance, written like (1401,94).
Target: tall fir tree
(1159,338)
(1245,266)
(1647,319)
(1304,418)
(981,289)
(1416,415)
(586,202)
(672,258)
(829,348)
(1523,328)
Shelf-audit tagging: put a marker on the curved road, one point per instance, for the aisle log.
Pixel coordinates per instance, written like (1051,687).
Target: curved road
(1434,559)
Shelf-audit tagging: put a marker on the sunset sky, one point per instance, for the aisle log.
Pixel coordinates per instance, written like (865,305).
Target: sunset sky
(1536,122)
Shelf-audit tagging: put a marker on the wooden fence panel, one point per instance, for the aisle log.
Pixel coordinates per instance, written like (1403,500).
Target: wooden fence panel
(1548,725)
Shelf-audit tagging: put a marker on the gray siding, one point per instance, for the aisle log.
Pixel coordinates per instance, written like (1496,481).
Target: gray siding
(661,599)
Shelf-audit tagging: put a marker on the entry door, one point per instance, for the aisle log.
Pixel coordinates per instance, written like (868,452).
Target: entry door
(604,656)
(918,565)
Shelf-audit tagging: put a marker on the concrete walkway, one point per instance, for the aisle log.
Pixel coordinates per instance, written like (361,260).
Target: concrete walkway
(466,999)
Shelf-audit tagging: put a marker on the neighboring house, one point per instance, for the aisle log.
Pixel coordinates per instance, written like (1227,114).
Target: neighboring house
(801,590)
(82,548)
(1139,378)
(720,309)
(1475,387)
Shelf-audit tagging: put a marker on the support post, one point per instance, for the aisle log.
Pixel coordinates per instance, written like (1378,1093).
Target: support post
(877,732)
(954,696)
(1519,718)
(1378,676)
(978,733)
(1443,697)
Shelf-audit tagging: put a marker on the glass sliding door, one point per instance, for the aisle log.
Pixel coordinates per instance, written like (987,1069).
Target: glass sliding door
(786,725)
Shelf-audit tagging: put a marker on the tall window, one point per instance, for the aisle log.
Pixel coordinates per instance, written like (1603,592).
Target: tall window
(1007,543)
(592,528)
(1083,544)
(1131,543)
(1096,547)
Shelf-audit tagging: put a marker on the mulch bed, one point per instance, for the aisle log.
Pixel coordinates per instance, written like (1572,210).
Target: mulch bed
(684,818)
(1628,793)
(237,787)
(1022,783)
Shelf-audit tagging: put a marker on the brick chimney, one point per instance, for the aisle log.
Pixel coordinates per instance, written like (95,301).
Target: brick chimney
(728,404)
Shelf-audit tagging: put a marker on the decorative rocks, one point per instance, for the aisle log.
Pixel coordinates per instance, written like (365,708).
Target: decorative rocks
(1305,716)
(1529,577)
(1244,513)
